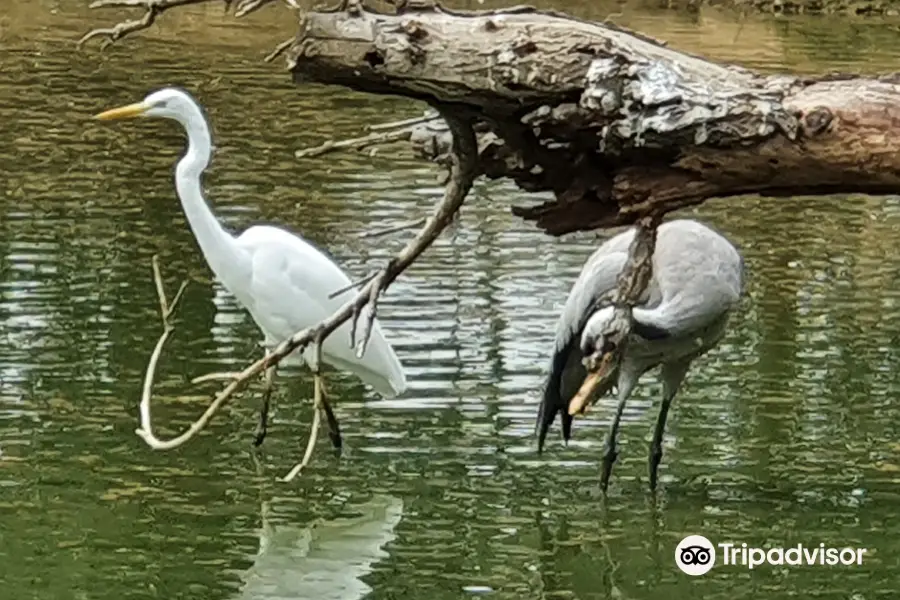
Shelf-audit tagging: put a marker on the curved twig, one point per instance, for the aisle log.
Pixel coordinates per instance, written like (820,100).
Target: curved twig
(166,309)
(318,409)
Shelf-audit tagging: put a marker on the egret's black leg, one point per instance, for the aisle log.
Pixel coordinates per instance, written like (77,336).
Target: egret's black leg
(262,425)
(672,374)
(334,429)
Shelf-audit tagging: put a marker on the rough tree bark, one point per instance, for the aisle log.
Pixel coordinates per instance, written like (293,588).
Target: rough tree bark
(615,124)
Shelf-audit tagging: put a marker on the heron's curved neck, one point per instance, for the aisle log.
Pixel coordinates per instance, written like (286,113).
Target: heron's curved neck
(218,246)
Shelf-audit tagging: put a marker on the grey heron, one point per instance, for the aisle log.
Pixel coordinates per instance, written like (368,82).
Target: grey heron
(696,284)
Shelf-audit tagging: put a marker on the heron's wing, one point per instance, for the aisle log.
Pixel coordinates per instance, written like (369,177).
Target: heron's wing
(593,288)
(699,274)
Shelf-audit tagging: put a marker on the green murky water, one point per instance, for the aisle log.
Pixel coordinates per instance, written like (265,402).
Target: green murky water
(787,433)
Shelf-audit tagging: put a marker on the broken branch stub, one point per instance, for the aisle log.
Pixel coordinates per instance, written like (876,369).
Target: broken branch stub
(631,284)
(616,125)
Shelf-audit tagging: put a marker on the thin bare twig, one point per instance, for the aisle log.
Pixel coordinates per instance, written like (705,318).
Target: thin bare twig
(394,229)
(245,7)
(352,285)
(464,170)
(279,49)
(404,123)
(154,8)
(382,133)
(230,376)
(359,143)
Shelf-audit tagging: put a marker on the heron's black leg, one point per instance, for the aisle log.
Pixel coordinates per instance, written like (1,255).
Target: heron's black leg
(656,444)
(262,425)
(334,429)
(625,384)
(611,453)
(672,374)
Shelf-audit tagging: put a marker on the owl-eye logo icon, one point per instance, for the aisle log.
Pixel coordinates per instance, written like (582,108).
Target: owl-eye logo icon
(695,555)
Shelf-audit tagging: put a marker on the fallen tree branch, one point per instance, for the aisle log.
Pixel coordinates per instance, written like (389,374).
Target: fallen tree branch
(463,173)
(616,125)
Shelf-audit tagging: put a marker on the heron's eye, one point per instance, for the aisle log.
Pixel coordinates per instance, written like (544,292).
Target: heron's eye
(607,346)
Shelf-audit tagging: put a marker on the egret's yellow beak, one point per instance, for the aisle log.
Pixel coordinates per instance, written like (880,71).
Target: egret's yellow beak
(579,402)
(123,112)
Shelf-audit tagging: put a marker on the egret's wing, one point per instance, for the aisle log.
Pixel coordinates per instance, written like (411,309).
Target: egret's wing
(594,286)
(290,282)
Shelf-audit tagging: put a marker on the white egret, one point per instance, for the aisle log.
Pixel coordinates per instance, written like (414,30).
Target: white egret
(282,280)
(696,284)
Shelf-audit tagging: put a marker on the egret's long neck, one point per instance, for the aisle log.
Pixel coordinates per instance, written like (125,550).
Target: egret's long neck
(218,246)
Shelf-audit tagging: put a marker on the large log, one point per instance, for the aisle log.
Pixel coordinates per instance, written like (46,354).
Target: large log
(615,124)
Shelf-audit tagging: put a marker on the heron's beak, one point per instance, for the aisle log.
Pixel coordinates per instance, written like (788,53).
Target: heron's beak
(595,379)
(128,111)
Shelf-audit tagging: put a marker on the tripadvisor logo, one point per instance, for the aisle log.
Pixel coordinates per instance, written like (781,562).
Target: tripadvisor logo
(696,555)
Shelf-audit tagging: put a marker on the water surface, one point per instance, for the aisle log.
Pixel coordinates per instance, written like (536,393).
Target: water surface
(787,433)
